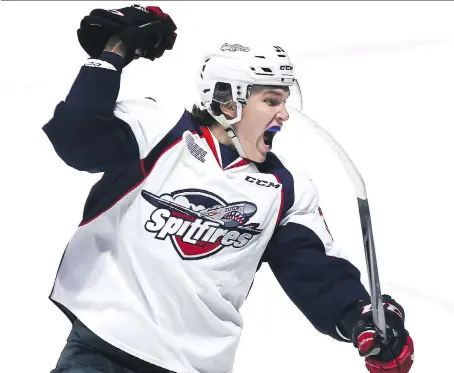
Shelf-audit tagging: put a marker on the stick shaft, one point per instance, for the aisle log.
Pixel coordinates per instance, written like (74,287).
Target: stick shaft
(378,313)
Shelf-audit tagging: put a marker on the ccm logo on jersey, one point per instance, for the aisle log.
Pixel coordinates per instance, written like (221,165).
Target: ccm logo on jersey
(200,223)
(263,183)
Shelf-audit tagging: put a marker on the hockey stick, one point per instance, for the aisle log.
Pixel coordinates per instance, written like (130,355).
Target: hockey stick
(378,313)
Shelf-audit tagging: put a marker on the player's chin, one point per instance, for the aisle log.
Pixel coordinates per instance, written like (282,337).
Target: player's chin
(258,155)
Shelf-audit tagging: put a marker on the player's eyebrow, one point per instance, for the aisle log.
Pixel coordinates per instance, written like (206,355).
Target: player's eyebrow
(274,92)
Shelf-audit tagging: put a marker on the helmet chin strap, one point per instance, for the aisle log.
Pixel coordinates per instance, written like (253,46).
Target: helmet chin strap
(227,125)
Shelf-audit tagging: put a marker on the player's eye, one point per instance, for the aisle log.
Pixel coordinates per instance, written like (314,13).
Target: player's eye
(272,102)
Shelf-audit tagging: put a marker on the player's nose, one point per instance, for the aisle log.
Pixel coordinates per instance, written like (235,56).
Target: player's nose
(283,114)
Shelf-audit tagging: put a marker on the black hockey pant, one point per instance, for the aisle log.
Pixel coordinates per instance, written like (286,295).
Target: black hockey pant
(87,353)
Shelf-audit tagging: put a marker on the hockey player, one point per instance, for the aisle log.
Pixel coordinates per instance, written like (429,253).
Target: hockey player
(189,206)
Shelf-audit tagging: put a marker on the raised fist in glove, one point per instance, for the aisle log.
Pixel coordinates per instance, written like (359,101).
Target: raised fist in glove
(144,31)
(394,357)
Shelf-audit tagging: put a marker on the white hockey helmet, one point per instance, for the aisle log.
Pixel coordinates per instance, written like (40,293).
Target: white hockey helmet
(240,67)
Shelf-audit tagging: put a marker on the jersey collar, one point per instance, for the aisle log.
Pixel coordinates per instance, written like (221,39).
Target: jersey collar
(226,157)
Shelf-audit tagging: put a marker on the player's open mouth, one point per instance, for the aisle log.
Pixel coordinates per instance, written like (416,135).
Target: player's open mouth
(269,135)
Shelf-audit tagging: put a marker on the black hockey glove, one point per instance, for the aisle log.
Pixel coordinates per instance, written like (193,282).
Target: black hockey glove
(394,357)
(145,31)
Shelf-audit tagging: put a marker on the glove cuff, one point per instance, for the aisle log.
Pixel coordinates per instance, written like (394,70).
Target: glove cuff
(114,59)
(350,318)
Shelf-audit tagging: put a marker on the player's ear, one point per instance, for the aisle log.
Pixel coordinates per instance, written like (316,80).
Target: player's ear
(229,109)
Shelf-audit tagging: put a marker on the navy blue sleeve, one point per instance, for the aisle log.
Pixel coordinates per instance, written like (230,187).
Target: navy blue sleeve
(83,130)
(323,287)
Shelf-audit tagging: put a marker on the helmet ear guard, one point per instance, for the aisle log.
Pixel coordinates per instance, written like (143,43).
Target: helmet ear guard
(223,94)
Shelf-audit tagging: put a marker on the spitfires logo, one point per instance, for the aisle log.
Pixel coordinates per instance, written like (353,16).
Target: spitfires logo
(234,48)
(200,223)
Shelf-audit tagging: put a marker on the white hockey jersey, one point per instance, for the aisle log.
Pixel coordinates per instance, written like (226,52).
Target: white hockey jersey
(175,230)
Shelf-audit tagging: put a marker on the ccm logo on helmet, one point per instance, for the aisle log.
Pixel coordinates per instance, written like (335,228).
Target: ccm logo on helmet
(263,183)
(286,67)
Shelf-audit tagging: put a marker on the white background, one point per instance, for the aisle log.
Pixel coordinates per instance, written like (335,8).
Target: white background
(378,75)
